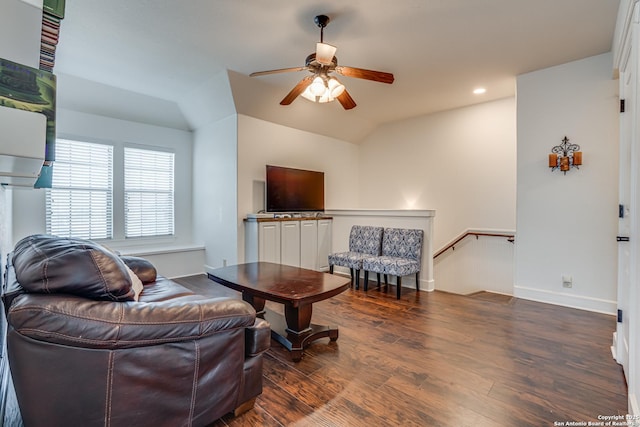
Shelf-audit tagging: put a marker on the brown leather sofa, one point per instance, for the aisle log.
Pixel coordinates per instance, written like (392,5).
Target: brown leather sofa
(83,353)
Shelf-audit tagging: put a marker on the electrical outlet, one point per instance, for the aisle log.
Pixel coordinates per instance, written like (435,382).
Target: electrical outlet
(567,282)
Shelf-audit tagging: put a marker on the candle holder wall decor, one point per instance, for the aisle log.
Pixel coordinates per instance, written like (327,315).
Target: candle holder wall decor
(565,156)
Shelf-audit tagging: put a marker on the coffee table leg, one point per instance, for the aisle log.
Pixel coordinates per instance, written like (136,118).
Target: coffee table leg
(298,328)
(256,302)
(295,330)
(298,318)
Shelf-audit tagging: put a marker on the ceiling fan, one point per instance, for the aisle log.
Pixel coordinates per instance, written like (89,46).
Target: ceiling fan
(320,86)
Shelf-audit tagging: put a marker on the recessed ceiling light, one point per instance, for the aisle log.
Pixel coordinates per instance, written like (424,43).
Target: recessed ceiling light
(479,91)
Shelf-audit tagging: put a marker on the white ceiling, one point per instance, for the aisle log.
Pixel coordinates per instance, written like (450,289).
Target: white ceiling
(438,50)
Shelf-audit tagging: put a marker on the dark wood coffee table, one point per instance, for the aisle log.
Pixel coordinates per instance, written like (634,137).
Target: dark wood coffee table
(296,288)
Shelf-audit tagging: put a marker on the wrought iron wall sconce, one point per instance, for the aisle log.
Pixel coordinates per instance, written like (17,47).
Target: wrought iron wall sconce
(565,156)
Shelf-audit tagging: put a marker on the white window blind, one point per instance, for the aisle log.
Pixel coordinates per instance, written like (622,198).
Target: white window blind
(148,193)
(80,202)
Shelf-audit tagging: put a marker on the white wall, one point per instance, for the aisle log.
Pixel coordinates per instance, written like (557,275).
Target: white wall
(461,163)
(261,143)
(215,189)
(566,224)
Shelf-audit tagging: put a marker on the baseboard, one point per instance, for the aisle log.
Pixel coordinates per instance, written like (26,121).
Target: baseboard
(431,285)
(209,269)
(566,300)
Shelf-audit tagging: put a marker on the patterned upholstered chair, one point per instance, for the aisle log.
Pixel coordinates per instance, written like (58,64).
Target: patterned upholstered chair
(401,256)
(364,241)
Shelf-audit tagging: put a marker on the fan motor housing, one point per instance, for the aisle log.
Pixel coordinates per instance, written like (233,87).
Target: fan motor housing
(313,64)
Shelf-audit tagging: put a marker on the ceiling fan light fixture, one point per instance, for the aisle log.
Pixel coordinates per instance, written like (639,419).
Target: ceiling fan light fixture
(318,87)
(335,87)
(326,97)
(321,92)
(308,95)
(325,53)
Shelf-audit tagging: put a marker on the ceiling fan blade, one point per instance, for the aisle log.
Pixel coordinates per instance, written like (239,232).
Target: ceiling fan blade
(346,100)
(281,70)
(297,90)
(361,73)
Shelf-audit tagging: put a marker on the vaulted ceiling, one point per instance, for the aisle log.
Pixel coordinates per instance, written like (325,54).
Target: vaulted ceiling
(438,50)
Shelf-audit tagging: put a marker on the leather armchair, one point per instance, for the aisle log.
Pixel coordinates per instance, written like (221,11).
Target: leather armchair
(173,358)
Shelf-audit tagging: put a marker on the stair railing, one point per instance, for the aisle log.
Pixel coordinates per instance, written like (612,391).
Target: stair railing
(510,236)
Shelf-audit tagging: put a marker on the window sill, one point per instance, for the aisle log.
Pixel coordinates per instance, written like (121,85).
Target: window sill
(157,249)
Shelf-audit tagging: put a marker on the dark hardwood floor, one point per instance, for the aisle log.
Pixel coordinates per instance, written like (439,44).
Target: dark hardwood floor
(438,359)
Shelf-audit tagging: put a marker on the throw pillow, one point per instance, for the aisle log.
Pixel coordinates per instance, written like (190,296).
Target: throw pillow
(141,267)
(51,264)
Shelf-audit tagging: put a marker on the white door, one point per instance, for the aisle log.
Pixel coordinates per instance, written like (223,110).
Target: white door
(632,321)
(624,218)
(626,343)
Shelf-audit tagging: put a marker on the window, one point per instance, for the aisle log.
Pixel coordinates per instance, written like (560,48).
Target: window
(110,191)
(80,202)
(148,193)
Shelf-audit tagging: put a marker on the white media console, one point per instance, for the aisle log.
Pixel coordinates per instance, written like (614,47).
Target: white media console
(300,242)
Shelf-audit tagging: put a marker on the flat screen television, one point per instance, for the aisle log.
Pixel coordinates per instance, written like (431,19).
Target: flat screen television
(294,190)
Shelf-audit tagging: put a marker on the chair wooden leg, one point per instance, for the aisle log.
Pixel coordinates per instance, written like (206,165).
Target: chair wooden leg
(358,278)
(331,269)
(399,287)
(378,282)
(351,275)
(386,280)
(418,281)
(366,280)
